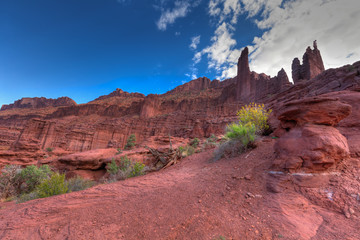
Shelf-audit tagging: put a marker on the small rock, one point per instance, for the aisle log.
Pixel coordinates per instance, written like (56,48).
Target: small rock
(247,177)
(351,211)
(249,195)
(200,201)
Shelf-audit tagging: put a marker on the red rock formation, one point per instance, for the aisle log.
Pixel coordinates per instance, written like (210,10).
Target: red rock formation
(251,86)
(120,93)
(311,67)
(311,142)
(39,103)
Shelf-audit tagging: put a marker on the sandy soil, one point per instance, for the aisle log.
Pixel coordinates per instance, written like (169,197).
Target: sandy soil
(238,198)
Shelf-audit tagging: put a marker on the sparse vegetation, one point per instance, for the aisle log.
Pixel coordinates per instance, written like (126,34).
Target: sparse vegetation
(32,182)
(9,181)
(194,143)
(119,151)
(49,149)
(240,136)
(125,169)
(186,151)
(32,176)
(54,185)
(131,141)
(78,184)
(210,142)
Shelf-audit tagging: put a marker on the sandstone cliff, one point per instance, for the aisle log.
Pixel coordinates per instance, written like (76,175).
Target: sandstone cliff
(39,103)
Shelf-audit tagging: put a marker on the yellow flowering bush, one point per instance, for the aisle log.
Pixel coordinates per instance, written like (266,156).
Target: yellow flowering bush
(255,114)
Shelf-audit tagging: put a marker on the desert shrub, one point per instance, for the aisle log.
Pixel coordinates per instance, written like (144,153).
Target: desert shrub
(27,197)
(112,167)
(130,142)
(256,114)
(125,163)
(244,133)
(186,151)
(55,185)
(10,181)
(230,148)
(119,151)
(137,169)
(210,142)
(33,176)
(194,143)
(49,149)
(78,183)
(125,169)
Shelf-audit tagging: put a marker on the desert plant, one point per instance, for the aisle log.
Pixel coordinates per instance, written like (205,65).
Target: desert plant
(194,143)
(125,169)
(10,181)
(210,142)
(130,142)
(55,185)
(186,151)
(33,176)
(137,169)
(27,197)
(119,151)
(256,114)
(243,133)
(49,149)
(78,183)
(230,148)
(112,167)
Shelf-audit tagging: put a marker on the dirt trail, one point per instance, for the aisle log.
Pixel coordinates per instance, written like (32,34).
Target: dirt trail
(194,199)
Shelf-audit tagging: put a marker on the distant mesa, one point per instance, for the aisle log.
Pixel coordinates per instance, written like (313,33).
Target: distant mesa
(41,102)
(312,65)
(120,93)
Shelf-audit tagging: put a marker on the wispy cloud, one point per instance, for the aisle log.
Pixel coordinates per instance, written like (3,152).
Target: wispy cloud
(169,16)
(194,42)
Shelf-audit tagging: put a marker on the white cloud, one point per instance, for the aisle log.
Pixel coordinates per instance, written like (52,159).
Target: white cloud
(195,42)
(294,26)
(289,27)
(169,16)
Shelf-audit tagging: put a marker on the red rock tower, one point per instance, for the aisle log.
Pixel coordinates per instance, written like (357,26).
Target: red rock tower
(311,67)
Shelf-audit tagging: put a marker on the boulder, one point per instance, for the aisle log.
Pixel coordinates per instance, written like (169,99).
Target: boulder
(312,147)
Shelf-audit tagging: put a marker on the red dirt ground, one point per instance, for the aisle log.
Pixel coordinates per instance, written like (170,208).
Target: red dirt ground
(195,199)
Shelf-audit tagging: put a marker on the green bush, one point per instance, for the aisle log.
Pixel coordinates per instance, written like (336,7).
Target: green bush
(255,114)
(78,183)
(243,133)
(10,181)
(125,169)
(186,151)
(194,143)
(55,185)
(49,149)
(27,197)
(137,169)
(130,143)
(112,167)
(210,142)
(33,176)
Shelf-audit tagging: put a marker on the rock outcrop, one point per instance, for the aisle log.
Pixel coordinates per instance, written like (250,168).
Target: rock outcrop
(120,93)
(311,67)
(251,86)
(310,141)
(39,103)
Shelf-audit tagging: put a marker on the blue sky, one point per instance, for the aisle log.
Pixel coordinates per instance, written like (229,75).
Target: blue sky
(87,48)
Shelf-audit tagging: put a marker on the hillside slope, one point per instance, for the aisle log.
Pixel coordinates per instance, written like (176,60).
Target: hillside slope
(238,198)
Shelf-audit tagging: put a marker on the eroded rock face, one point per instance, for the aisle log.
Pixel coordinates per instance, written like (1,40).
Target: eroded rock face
(311,67)
(312,147)
(251,86)
(40,103)
(310,142)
